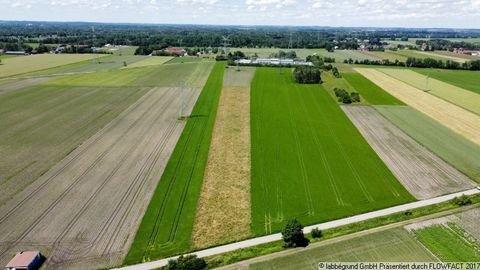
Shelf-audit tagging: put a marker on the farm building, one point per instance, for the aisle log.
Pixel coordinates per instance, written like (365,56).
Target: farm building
(274,61)
(176,51)
(26,260)
(463,51)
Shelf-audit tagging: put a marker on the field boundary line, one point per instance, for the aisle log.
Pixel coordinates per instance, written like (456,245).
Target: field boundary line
(321,226)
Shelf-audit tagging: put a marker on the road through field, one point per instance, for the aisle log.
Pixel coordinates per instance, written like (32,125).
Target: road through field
(423,173)
(322,226)
(456,118)
(84,211)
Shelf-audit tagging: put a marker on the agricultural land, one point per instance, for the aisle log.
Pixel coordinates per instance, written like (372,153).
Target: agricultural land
(308,179)
(224,210)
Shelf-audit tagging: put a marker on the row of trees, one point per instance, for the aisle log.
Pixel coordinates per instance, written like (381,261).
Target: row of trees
(420,63)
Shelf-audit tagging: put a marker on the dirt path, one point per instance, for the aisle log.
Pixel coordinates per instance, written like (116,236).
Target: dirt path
(457,119)
(223,213)
(423,173)
(84,212)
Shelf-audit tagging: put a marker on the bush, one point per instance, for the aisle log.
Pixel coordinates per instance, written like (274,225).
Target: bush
(316,233)
(345,97)
(293,236)
(307,75)
(462,200)
(189,262)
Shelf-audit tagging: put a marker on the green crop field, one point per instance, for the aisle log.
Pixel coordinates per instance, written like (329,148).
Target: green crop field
(151,61)
(339,55)
(462,78)
(387,54)
(370,91)
(449,243)
(458,96)
(18,65)
(188,59)
(395,245)
(330,82)
(451,147)
(167,225)
(327,171)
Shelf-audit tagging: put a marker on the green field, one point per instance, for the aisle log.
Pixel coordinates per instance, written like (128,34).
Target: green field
(330,82)
(151,61)
(308,160)
(387,54)
(187,59)
(370,91)
(462,78)
(458,96)
(449,243)
(19,65)
(339,55)
(395,245)
(167,225)
(451,147)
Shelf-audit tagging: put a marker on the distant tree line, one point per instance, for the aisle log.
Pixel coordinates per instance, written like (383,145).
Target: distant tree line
(446,45)
(420,63)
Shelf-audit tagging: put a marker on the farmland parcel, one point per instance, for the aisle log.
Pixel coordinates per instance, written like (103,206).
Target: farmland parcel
(167,225)
(458,96)
(395,245)
(456,118)
(223,213)
(83,212)
(308,160)
(460,152)
(462,78)
(421,172)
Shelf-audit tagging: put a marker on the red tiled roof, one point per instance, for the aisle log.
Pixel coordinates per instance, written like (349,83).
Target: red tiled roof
(22,259)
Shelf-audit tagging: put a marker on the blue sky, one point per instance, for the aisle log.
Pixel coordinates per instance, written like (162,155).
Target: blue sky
(380,13)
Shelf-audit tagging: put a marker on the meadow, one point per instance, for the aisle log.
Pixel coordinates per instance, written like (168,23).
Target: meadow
(370,91)
(394,245)
(449,243)
(18,65)
(460,152)
(166,228)
(458,96)
(151,61)
(323,174)
(465,79)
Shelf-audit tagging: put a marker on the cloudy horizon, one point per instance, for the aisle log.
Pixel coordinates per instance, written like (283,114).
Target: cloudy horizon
(347,13)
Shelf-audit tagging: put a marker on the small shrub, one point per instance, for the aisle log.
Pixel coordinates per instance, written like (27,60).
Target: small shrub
(462,200)
(293,236)
(189,262)
(316,233)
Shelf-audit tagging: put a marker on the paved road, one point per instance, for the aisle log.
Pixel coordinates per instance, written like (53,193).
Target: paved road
(321,226)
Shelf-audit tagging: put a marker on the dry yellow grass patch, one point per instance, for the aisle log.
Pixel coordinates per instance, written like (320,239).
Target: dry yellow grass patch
(459,120)
(223,214)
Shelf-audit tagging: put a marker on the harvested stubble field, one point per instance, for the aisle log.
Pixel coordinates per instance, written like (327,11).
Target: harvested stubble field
(423,173)
(24,64)
(85,209)
(394,245)
(308,159)
(166,227)
(458,96)
(224,211)
(369,91)
(465,79)
(456,118)
(460,152)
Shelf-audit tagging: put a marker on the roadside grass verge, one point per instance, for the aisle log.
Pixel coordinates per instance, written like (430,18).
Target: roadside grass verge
(448,145)
(308,160)
(167,225)
(269,248)
(370,91)
(393,245)
(449,243)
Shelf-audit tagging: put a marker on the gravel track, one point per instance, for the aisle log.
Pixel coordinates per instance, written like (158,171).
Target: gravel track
(83,213)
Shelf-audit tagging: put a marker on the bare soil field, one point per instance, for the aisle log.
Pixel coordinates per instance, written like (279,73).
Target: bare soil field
(224,210)
(423,173)
(457,119)
(84,212)
(468,220)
